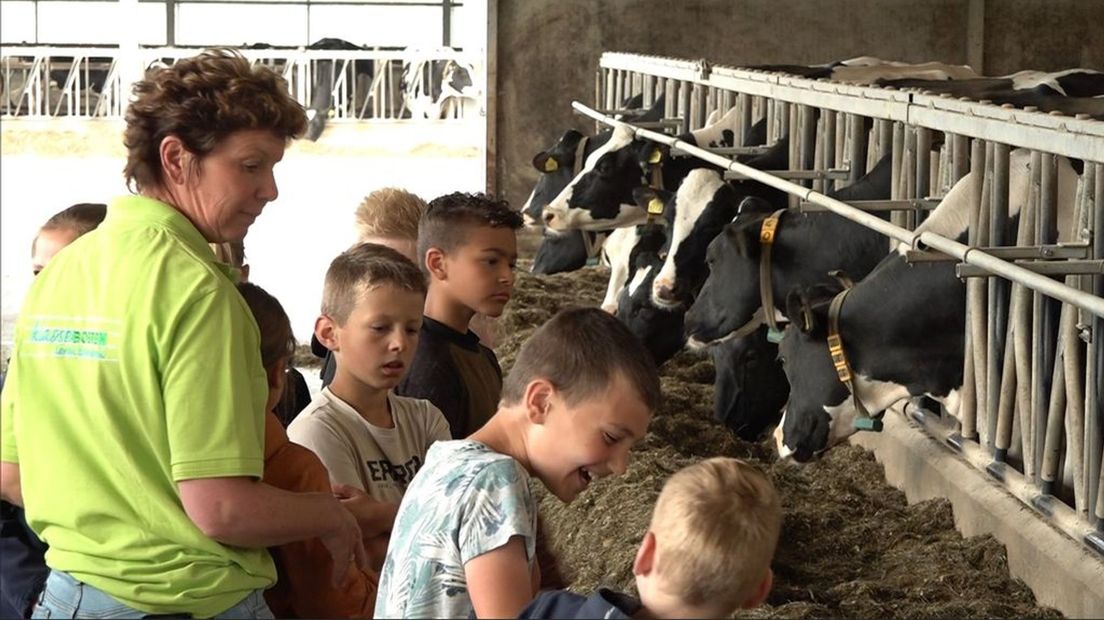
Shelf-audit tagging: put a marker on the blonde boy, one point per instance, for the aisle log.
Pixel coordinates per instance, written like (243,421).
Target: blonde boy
(706,553)
(370,439)
(580,394)
(388,216)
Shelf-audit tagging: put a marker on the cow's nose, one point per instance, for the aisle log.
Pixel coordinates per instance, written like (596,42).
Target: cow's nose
(665,292)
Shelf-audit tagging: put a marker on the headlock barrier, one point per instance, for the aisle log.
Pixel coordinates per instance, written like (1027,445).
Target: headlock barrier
(345,85)
(1032,402)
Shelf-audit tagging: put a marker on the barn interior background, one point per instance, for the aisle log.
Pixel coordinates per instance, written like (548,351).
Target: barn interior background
(528,60)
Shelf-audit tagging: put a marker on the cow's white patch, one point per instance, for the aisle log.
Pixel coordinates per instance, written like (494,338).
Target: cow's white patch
(756,321)
(952,402)
(620,138)
(952,217)
(617,248)
(784,452)
(868,73)
(638,279)
(530,221)
(875,396)
(581,219)
(713,133)
(694,195)
(1030,79)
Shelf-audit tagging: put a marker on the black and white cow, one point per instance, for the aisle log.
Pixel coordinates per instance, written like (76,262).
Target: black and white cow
(660,330)
(806,247)
(750,386)
(1074,91)
(432,82)
(902,326)
(326,73)
(557,165)
(600,195)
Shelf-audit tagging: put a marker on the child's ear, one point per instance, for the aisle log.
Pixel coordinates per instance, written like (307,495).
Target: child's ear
(326,331)
(435,263)
(645,555)
(538,399)
(761,591)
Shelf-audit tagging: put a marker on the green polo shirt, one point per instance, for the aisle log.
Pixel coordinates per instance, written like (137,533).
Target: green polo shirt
(136,364)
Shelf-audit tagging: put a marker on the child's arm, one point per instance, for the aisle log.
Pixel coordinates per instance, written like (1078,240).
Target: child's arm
(500,581)
(375,517)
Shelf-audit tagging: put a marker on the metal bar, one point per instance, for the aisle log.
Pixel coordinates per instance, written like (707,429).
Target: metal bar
(977,300)
(1062,135)
(998,294)
(684,105)
(828,118)
(743,100)
(923,168)
(1055,268)
(721,150)
(857,152)
(1057,514)
(878,205)
(797,175)
(1039,252)
(1020,325)
(1046,312)
(1094,411)
(965,253)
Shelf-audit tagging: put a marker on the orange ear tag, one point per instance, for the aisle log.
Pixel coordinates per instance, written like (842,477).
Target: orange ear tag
(656,157)
(550,165)
(655,206)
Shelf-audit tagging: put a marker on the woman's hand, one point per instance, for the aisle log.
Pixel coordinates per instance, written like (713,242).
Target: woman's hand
(375,517)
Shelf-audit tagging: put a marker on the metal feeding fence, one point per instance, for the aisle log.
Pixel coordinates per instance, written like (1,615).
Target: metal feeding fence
(1032,413)
(361,85)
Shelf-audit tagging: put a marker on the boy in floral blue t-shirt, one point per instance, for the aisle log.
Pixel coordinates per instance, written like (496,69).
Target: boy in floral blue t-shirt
(580,394)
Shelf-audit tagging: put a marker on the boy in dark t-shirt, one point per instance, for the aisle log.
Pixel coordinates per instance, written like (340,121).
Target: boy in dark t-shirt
(467,244)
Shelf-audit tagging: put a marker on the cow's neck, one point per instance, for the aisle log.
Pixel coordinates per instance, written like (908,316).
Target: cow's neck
(827,241)
(905,317)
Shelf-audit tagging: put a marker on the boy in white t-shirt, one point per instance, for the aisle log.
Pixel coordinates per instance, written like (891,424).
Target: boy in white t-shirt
(370,439)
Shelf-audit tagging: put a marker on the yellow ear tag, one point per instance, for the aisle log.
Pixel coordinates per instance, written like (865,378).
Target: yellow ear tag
(656,157)
(550,165)
(655,206)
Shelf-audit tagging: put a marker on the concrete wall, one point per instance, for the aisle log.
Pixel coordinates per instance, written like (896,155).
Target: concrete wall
(1048,35)
(548,50)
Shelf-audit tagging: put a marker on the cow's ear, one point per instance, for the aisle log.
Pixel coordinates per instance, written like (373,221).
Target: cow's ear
(545,162)
(754,204)
(742,239)
(799,311)
(652,153)
(644,195)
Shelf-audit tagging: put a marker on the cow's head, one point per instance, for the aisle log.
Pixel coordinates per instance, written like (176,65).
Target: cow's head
(703,206)
(730,296)
(660,330)
(557,168)
(819,413)
(750,388)
(600,197)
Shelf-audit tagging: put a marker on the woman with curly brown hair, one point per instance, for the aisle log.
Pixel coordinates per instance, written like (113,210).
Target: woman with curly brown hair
(133,416)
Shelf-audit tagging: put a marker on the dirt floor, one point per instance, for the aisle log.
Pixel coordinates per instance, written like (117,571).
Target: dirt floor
(851,546)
